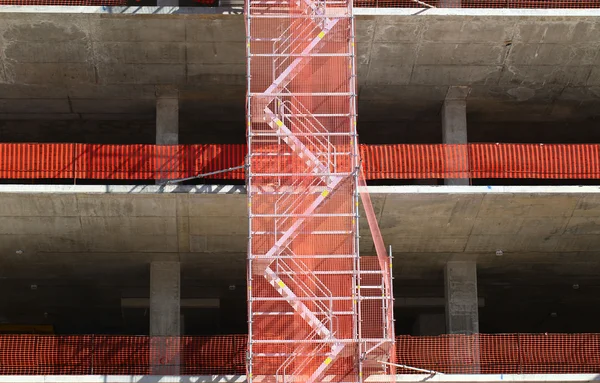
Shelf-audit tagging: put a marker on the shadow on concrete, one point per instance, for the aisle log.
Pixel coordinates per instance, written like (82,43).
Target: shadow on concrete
(181,379)
(182,189)
(134,10)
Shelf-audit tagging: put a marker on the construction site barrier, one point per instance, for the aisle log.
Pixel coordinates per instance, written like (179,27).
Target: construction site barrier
(532,4)
(225,355)
(401,161)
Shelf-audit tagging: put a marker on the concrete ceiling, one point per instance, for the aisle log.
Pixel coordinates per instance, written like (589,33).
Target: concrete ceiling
(97,66)
(543,236)
(86,247)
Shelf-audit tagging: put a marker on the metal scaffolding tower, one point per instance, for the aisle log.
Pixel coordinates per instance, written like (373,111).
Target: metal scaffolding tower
(316,310)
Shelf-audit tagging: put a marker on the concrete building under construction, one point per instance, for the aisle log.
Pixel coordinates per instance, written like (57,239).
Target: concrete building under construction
(146,147)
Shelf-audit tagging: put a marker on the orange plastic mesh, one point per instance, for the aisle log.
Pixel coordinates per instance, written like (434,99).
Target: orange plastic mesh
(66,2)
(399,161)
(532,4)
(225,355)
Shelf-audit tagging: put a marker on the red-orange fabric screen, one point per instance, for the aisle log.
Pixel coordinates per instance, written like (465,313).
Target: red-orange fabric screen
(225,355)
(543,4)
(398,161)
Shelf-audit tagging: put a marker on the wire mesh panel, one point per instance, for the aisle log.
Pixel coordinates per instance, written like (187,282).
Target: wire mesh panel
(306,303)
(519,4)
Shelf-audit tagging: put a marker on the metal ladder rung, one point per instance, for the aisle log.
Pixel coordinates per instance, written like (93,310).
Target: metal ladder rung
(293,313)
(301,232)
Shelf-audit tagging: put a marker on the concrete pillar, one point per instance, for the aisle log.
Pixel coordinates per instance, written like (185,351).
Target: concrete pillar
(462,306)
(462,315)
(454,131)
(167,127)
(165,317)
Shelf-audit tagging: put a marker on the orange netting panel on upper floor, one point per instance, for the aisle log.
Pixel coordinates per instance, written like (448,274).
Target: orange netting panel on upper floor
(519,4)
(97,3)
(397,161)
(225,355)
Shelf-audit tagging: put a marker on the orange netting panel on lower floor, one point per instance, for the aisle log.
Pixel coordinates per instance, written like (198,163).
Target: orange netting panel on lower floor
(502,354)
(225,355)
(397,161)
(120,355)
(519,4)
(531,4)
(97,3)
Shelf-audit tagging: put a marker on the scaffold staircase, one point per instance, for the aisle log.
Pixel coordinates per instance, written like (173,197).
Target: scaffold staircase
(303,196)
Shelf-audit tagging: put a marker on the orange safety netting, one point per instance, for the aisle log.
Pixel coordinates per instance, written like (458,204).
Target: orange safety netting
(120,355)
(520,4)
(97,3)
(225,355)
(401,161)
(532,4)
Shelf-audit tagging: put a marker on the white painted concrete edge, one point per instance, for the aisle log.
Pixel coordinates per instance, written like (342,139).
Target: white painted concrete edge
(534,378)
(236,10)
(522,378)
(495,378)
(231,10)
(240,189)
(475,12)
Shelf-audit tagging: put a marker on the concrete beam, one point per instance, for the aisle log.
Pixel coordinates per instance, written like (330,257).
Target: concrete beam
(454,131)
(425,302)
(196,303)
(453,378)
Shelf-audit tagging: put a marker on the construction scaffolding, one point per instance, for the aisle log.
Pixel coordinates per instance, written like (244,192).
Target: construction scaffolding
(317,311)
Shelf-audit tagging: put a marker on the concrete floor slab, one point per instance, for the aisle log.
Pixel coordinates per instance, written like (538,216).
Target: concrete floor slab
(454,378)
(527,223)
(544,57)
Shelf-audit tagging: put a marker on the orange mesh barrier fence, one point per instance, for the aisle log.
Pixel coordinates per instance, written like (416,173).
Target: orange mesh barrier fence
(226,355)
(540,4)
(502,354)
(97,3)
(481,161)
(120,355)
(531,4)
(37,160)
(148,162)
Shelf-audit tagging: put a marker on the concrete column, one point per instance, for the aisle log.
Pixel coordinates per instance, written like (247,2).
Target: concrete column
(462,306)
(462,314)
(167,127)
(454,131)
(165,317)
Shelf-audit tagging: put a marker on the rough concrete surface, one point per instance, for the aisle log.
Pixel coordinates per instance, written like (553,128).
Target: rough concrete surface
(454,378)
(97,65)
(87,247)
(425,230)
